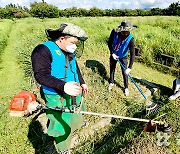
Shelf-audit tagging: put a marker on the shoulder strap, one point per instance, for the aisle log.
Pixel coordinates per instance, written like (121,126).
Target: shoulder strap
(129,37)
(66,67)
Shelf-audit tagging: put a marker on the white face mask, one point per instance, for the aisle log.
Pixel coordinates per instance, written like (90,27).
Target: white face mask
(71,48)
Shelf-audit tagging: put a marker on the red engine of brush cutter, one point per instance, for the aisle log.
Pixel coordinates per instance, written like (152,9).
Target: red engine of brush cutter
(20,101)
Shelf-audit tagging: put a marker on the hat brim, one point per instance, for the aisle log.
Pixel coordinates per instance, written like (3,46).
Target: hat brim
(122,28)
(67,29)
(53,34)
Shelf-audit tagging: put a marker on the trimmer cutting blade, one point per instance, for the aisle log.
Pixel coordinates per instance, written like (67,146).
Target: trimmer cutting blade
(164,127)
(151,108)
(161,126)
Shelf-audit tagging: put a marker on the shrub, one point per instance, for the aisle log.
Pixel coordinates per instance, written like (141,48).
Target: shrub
(43,10)
(1,13)
(21,14)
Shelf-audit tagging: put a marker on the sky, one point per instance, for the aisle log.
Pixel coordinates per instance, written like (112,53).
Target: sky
(102,4)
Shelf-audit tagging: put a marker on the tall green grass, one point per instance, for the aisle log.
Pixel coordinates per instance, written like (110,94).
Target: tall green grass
(152,33)
(157,35)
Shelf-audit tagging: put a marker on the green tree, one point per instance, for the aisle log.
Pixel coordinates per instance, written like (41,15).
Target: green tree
(173,9)
(83,12)
(11,6)
(140,12)
(2,13)
(114,12)
(42,10)
(95,12)
(10,10)
(72,12)
(108,12)
(156,11)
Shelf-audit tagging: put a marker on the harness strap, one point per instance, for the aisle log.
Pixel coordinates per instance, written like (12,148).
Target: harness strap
(73,100)
(66,67)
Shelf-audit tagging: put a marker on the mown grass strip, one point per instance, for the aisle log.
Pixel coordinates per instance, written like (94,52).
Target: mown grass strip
(13,131)
(5,28)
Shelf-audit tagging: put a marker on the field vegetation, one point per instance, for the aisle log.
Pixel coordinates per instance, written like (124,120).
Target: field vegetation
(154,36)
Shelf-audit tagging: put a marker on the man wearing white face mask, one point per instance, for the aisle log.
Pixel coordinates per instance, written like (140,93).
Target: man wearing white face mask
(56,69)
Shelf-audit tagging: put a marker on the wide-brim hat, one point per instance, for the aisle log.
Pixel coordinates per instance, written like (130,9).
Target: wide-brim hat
(67,29)
(125,26)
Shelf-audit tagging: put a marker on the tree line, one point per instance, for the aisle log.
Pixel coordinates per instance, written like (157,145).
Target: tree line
(45,10)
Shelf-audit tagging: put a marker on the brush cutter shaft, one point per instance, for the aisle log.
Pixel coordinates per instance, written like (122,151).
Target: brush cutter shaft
(133,80)
(105,115)
(97,114)
(116,116)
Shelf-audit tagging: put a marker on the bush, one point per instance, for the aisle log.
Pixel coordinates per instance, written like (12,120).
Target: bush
(43,10)
(1,13)
(11,11)
(93,12)
(21,14)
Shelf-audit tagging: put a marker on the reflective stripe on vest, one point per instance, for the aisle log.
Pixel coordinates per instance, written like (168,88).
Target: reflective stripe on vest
(120,48)
(58,67)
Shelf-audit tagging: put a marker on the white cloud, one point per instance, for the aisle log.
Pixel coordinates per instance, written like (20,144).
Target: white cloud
(26,3)
(59,2)
(103,4)
(119,5)
(153,3)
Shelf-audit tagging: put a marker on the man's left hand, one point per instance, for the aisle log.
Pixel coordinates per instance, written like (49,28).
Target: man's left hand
(85,88)
(127,71)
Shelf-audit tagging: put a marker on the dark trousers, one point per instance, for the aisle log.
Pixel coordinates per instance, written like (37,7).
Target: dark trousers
(113,67)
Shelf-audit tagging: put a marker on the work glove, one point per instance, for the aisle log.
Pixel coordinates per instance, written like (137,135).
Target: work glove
(72,88)
(127,71)
(115,57)
(85,88)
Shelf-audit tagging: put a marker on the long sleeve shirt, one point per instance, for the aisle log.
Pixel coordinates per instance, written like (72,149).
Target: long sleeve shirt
(130,46)
(41,64)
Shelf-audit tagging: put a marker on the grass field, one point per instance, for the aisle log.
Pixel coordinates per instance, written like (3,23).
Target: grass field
(154,34)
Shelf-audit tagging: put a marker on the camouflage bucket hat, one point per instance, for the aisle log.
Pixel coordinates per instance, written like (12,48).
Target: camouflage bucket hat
(67,29)
(125,26)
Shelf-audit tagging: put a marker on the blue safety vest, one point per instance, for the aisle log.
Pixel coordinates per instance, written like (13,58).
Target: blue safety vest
(58,67)
(120,48)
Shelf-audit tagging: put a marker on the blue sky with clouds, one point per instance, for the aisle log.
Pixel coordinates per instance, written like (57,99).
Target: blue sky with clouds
(102,4)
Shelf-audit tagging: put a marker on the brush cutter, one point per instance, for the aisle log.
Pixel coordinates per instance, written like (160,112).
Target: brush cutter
(25,103)
(151,108)
(152,125)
